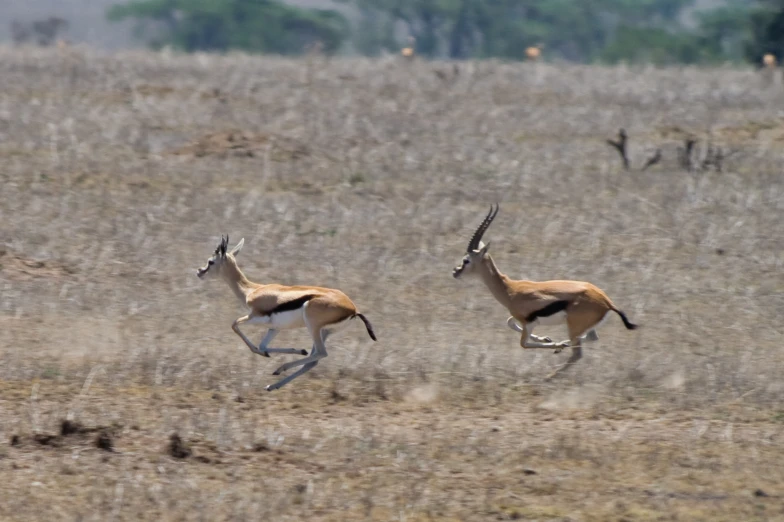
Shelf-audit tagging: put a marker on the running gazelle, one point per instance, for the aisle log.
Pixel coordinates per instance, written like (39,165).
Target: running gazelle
(321,310)
(581,305)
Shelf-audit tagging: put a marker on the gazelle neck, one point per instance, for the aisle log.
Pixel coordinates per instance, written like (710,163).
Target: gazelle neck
(496,282)
(237,281)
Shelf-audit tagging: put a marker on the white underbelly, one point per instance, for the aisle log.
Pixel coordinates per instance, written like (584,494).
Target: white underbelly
(282,320)
(550,320)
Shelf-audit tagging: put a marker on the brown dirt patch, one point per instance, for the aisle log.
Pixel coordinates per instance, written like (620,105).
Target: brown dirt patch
(16,267)
(243,144)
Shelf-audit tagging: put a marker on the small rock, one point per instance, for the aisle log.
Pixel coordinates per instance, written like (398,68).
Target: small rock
(760,493)
(529,471)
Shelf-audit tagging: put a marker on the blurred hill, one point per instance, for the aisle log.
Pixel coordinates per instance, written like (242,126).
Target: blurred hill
(87,20)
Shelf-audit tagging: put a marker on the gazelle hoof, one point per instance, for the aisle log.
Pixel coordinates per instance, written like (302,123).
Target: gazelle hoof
(303,352)
(265,354)
(269,388)
(276,372)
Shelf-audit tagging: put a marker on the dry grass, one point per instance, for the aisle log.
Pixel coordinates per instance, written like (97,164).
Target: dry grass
(119,173)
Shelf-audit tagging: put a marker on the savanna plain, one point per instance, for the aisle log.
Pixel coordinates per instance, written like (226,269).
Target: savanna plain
(124,394)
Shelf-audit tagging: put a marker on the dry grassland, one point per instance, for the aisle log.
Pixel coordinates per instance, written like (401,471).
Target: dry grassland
(119,173)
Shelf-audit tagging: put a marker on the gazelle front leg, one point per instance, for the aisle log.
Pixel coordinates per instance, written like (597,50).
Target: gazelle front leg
(514,325)
(236,327)
(264,345)
(527,341)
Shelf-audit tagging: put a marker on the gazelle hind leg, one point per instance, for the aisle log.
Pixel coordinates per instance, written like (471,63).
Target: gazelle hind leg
(580,326)
(591,336)
(319,348)
(577,354)
(514,325)
(308,366)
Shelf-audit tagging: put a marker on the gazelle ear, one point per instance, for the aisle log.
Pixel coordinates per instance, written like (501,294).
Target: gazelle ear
(236,249)
(483,248)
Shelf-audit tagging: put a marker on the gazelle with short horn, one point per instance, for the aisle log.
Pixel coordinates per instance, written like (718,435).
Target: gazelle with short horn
(320,310)
(580,305)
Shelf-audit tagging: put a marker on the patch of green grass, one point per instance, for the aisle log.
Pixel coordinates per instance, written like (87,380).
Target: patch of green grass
(357,178)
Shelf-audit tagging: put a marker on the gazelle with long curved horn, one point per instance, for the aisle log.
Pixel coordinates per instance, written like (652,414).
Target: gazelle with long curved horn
(578,304)
(321,310)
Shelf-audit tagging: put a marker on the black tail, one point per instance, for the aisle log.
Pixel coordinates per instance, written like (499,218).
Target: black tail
(628,324)
(368,326)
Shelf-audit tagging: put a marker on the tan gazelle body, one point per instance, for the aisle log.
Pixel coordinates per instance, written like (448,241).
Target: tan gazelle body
(578,304)
(320,310)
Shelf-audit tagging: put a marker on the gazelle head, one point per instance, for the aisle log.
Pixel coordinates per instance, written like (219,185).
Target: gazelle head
(217,261)
(476,248)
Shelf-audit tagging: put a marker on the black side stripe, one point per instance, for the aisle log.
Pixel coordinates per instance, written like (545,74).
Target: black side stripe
(547,311)
(291,305)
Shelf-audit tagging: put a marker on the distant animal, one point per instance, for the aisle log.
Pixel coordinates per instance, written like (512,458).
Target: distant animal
(769,68)
(580,305)
(322,311)
(534,52)
(409,52)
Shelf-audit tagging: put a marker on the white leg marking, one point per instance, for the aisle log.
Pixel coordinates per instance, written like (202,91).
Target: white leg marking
(264,345)
(514,325)
(528,340)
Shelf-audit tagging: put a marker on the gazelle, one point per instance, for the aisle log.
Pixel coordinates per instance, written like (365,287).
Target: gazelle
(581,305)
(321,310)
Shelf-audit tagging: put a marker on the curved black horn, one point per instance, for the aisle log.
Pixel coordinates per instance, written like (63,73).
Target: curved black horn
(480,231)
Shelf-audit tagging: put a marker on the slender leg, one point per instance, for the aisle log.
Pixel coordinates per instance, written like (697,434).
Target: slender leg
(514,325)
(316,354)
(319,348)
(527,341)
(590,336)
(577,353)
(264,345)
(291,377)
(236,327)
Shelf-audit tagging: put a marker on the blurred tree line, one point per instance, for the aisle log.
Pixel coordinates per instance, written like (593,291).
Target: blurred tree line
(653,31)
